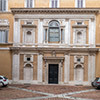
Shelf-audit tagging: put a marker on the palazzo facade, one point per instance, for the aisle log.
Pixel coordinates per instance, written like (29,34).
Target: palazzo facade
(50,42)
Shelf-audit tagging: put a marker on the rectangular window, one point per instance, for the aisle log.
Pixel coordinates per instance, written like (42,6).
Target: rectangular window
(3,36)
(29,3)
(54,3)
(54,35)
(3,5)
(80,3)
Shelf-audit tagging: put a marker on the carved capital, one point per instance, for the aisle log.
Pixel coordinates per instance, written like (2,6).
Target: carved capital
(92,19)
(16,19)
(67,19)
(66,53)
(41,53)
(41,19)
(16,52)
(92,54)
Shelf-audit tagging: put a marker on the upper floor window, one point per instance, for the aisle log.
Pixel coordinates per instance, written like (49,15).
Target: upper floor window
(54,3)
(3,36)
(29,3)
(80,3)
(54,32)
(3,5)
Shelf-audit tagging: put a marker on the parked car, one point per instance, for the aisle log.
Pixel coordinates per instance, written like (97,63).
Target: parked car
(96,82)
(3,81)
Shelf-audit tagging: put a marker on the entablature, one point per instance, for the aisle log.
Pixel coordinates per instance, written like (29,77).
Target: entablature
(41,49)
(53,10)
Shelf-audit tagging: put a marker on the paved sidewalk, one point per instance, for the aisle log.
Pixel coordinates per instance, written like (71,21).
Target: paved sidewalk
(49,92)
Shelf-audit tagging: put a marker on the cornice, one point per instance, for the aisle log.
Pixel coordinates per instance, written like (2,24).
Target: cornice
(29,26)
(79,26)
(54,49)
(53,10)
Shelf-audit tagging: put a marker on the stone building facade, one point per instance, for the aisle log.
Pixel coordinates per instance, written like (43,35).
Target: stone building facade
(50,42)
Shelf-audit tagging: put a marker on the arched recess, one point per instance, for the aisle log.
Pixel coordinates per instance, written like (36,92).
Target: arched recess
(78,74)
(79,37)
(28,72)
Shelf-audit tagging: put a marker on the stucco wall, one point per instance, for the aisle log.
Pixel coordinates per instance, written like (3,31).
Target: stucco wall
(6,64)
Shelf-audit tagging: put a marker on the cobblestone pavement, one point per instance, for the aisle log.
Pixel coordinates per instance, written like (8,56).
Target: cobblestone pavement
(48,92)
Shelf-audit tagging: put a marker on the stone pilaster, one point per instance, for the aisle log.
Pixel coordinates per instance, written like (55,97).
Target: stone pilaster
(40,69)
(16,32)
(40,31)
(67,31)
(66,68)
(15,68)
(92,32)
(91,67)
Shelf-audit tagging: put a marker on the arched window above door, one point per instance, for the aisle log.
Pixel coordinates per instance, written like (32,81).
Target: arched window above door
(53,33)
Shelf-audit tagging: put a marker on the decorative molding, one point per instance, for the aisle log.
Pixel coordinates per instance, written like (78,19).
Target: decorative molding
(79,26)
(4,48)
(78,60)
(53,58)
(26,56)
(53,10)
(55,16)
(29,26)
(48,49)
(4,22)
(29,64)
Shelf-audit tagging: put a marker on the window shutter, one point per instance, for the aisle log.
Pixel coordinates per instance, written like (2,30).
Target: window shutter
(62,35)
(3,36)
(6,36)
(31,3)
(81,3)
(52,3)
(56,3)
(4,5)
(0,5)
(0,36)
(27,3)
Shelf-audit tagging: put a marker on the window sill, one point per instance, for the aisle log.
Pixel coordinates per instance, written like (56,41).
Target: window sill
(6,43)
(80,45)
(5,12)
